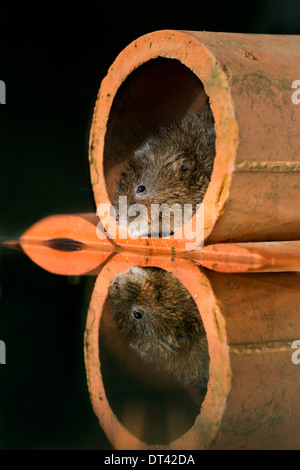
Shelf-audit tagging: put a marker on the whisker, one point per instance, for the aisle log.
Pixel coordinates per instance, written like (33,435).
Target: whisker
(86,189)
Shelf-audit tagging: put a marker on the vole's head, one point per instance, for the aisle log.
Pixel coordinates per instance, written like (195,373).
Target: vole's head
(167,170)
(154,179)
(154,310)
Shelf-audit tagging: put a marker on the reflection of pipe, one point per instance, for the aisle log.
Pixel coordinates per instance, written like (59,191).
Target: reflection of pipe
(261,314)
(244,257)
(205,427)
(252,399)
(45,243)
(81,229)
(254,194)
(251,321)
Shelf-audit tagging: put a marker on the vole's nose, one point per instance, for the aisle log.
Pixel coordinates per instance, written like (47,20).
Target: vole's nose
(116,284)
(117,218)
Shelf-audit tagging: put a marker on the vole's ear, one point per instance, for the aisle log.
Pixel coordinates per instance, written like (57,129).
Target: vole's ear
(182,340)
(176,344)
(148,284)
(186,165)
(179,164)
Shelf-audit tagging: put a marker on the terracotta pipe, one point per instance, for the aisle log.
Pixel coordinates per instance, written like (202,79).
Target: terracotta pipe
(254,193)
(252,400)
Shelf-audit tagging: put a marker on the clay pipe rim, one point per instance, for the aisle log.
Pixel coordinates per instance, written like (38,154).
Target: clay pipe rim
(192,53)
(208,421)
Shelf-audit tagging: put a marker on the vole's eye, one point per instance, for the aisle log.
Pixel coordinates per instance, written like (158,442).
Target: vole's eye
(140,189)
(137,314)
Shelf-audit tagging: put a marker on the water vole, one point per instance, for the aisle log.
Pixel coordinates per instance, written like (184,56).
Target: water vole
(160,320)
(173,166)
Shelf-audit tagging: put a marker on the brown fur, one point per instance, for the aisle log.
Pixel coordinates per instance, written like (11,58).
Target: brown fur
(170,335)
(175,166)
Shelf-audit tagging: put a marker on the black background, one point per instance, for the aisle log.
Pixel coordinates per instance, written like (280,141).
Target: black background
(52,61)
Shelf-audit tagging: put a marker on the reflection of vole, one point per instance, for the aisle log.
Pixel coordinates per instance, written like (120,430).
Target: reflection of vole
(172,167)
(161,322)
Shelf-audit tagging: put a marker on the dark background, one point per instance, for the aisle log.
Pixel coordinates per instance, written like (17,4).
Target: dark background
(52,62)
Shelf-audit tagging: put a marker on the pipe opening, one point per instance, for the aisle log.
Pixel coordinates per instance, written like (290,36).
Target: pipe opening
(154,354)
(157,94)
